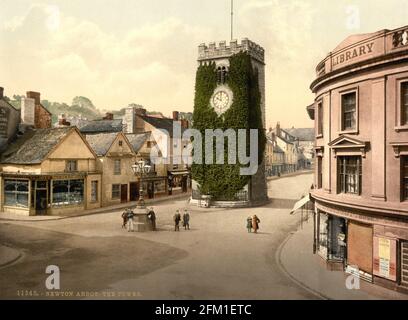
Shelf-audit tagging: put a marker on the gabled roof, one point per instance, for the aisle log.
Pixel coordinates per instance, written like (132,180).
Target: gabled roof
(101,142)
(303,134)
(34,146)
(137,139)
(103,126)
(6,104)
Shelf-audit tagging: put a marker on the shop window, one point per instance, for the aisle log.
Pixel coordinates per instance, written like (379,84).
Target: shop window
(323,230)
(320,119)
(337,238)
(94,191)
(71,166)
(117,167)
(67,192)
(349,111)
(404,177)
(115,191)
(350,175)
(404,103)
(16,193)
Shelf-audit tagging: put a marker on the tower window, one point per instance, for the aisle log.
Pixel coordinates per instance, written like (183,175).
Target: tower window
(222,74)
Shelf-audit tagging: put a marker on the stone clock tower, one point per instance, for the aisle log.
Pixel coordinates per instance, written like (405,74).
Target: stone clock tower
(222,99)
(220,55)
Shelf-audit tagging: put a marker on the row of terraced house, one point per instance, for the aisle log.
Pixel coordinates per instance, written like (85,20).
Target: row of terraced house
(64,169)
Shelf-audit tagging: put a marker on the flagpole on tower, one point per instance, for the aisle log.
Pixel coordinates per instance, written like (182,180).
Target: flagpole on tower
(232,19)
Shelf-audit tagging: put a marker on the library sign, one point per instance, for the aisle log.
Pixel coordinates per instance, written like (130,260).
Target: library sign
(357,53)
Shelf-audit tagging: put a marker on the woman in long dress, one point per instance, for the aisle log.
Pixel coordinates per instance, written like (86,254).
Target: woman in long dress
(255,223)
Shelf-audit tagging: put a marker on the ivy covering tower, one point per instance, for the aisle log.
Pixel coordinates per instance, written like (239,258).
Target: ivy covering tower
(229,94)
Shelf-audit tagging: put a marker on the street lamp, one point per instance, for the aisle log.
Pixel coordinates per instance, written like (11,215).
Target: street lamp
(139,169)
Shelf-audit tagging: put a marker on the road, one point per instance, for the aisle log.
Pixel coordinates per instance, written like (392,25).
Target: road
(216,259)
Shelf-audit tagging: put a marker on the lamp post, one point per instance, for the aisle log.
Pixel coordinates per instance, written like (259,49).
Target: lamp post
(139,169)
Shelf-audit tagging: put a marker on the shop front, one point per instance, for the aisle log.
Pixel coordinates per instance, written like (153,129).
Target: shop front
(46,194)
(179,181)
(330,242)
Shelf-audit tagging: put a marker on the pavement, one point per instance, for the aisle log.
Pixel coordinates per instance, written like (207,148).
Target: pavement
(297,260)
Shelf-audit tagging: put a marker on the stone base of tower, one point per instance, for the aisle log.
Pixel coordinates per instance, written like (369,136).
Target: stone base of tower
(252,195)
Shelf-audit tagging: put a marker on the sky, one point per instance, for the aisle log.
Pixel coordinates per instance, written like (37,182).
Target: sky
(117,52)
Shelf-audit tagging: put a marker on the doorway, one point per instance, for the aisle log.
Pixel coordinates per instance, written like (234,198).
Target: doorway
(134,191)
(124,193)
(40,202)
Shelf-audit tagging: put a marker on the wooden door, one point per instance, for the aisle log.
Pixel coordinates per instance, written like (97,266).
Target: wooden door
(124,193)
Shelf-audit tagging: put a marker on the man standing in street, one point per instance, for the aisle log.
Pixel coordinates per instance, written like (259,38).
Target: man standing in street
(186,220)
(152,216)
(177,218)
(130,217)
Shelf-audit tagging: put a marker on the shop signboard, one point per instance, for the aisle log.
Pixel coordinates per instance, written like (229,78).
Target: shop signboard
(385,256)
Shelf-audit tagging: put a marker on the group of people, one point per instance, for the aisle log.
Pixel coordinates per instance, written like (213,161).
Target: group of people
(185,220)
(253,223)
(128,219)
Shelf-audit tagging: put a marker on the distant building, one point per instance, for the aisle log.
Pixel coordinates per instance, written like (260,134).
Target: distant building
(306,138)
(102,126)
(9,121)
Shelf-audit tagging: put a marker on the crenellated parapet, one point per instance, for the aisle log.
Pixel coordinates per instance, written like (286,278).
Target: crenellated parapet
(222,50)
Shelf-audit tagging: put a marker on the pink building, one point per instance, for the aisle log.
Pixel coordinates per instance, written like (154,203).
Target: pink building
(361,179)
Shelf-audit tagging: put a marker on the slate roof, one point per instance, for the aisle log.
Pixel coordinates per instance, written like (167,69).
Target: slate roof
(137,139)
(103,126)
(303,134)
(160,123)
(101,142)
(34,146)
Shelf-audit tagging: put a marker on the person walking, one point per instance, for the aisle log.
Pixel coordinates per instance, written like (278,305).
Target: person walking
(152,216)
(186,220)
(177,218)
(124,218)
(255,223)
(130,217)
(249,224)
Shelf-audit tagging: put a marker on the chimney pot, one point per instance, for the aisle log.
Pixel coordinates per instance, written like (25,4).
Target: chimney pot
(175,115)
(1,92)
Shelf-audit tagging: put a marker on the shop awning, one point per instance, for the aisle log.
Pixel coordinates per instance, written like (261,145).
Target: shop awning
(301,203)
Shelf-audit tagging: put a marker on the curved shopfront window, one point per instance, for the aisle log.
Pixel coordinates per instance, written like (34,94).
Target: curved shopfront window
(16,193)
(67,192)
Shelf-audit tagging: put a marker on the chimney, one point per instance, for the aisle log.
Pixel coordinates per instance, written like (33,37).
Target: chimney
(34,95)
(184,123)
(1,92)
(28,111)
(270,129)
(175,115)
(273,136)
(108,116)
(278,129)
(140,111)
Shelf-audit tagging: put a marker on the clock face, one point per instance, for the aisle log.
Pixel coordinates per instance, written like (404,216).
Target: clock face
(221,99)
